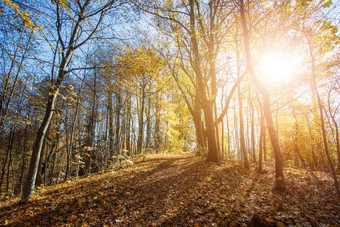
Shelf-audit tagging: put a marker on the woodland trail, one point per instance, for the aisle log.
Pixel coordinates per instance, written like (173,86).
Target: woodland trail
(180,190)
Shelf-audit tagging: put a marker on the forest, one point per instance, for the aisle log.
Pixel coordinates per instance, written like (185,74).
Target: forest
(174,112)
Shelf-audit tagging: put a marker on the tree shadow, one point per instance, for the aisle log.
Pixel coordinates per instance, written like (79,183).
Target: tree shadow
(166,193)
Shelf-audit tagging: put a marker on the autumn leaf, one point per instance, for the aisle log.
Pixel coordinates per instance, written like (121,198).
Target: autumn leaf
(6,222)
(72,218)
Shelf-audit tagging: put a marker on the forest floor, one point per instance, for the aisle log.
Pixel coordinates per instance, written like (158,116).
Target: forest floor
(180,190)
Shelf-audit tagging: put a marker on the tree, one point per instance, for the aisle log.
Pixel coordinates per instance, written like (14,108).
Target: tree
(140,67)
(309,38)
(83,13)
(279,177)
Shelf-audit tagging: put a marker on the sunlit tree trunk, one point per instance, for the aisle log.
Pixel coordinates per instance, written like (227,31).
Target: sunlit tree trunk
(279,177)
(296,140)
(141,120)
(118,116)
(157,136)
(252,125)
(148,124)
(207,105)
(262,131)
(242,140)
(336,127)
(324,132)
(110,110)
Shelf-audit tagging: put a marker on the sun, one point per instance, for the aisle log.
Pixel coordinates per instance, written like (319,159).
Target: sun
(278,68)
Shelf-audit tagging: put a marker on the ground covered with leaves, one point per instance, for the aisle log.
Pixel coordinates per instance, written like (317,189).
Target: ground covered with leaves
(180,190)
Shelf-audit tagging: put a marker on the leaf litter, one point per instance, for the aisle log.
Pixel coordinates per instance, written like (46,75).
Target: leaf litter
(161,190)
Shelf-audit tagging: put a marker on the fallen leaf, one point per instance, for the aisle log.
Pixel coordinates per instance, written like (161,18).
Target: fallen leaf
(72,217)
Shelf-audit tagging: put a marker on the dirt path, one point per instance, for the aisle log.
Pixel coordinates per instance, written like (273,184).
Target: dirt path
(178,190)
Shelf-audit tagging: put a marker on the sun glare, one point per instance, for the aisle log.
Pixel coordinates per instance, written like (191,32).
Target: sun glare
(277,68)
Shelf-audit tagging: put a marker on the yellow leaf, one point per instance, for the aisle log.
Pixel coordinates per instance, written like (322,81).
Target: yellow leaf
(72,217)
(279,178)
(6,222)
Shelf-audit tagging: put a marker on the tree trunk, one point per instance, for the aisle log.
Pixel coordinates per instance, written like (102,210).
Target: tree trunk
(228,139)
(141,122)
(213,152)
(3,171)
(110,110)
(148,124)
(70,149)
(262,131)
(296,140)
(118,110)
(38,145)
(23,159)
(323,129)
(157,136)
(264,143)
(252,125)
(207,106)
(128,125)
(199,128)
(279,177)
(242,142)
(337,140)
(40,137)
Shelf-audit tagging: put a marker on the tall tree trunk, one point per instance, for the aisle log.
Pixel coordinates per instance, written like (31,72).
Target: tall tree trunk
(117,133)
(262,131)
(313,140)
(265,143)
(323,129)
(337,140)
(10,163)
(213,152)
(91,128)
(66,53)
(148,124)
(212,68)
(70,149)
(252,125)
(337,143)
(242,141)
(40,137)
(128,125)
(3,171)
(23,159)
(141,122)
(296,140)
(279,177)
(222,137)
(228,139)
(207,105)
(110,110)
(199,127)
(157,136)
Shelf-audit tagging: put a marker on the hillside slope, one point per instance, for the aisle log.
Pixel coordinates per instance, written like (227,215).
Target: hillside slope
(182,190)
